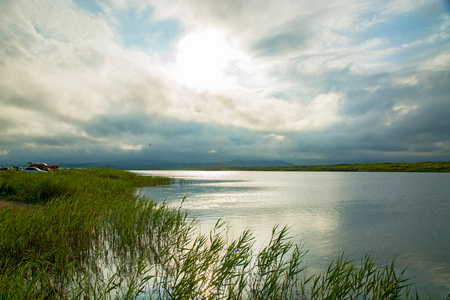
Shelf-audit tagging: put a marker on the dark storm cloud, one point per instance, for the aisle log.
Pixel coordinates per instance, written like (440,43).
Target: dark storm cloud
(117,125)
(429,124)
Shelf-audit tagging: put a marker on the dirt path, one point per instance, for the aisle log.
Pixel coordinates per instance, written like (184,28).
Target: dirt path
(4,204)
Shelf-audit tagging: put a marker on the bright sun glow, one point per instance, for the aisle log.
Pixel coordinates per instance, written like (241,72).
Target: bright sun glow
(206,60)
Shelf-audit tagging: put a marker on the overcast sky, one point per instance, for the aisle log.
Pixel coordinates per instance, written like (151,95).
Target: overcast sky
(305,81)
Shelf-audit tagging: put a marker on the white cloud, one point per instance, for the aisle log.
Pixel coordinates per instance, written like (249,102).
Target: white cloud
(439,63)
(324,111)
(131,147)
(395,7)
(373,43)
(372,88)
(275,137)
(404,109)
(411,81)
(246,109)
(399,112)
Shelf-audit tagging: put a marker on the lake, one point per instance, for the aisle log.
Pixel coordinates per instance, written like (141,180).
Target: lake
(405,216)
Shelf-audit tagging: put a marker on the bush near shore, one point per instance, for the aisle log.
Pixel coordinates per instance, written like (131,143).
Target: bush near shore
(86,235)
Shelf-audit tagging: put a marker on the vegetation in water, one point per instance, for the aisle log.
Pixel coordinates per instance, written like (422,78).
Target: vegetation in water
(87,235)
(440,166)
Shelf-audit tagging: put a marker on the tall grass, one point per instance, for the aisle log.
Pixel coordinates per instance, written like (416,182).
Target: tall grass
(87,236)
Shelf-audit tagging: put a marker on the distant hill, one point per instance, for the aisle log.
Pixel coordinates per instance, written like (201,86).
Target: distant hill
(169,165)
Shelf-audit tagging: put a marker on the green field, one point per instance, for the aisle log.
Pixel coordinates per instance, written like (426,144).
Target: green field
(441,166)
(87,235)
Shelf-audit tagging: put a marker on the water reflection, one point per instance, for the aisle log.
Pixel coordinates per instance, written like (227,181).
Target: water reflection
(403,215)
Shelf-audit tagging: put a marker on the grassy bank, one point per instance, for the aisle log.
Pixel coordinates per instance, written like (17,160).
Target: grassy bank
(87,236)
(441,166)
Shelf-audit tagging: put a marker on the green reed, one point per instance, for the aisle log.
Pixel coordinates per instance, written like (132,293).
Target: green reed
(88,236)
(344,279)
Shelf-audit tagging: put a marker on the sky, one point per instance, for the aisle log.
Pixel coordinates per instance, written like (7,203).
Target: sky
(304,81)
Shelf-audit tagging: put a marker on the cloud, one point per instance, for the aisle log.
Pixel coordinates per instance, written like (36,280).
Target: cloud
(300,80)
(275,137)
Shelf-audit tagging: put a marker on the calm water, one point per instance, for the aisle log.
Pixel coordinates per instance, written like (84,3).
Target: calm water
(402,215)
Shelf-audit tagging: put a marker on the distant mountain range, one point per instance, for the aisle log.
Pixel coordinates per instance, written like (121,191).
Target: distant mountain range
(164,165)
(169,165)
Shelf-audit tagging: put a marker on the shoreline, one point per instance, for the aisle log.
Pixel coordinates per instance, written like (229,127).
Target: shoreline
(420,167)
